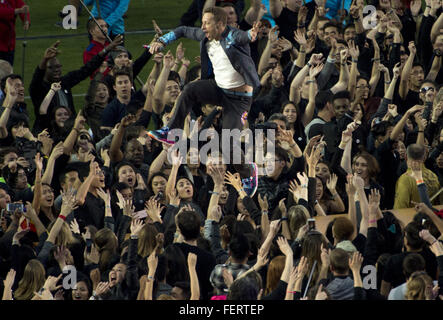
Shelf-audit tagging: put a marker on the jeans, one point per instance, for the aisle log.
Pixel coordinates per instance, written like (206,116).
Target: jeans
(203,92)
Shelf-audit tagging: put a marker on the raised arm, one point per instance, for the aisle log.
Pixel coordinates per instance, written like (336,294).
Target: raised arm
(266,55)
(56,86)
(160,85)
(375,73)
(276,7)
(401,124)
(8,103)
(69,142)
(342,83)
(115,152)
(404,80)
(435,68)
(253,13)
(354,52)
(310,108)
(195,287)
(57,151)
(176,160)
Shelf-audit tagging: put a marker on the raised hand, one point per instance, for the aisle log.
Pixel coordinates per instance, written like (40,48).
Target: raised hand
(353,49)
(118,40)
(355,262)
(263,202)
(102,288)
(316,59)
(56,86)
(153,209)
(234,180)
(75,229)
(273,34)
(321,294)
(332,183)
(274,227)
(427,236)
(136,226)
(180,52)
(52,51)
(315,70)
(412,48)
(300,37)
(255,30)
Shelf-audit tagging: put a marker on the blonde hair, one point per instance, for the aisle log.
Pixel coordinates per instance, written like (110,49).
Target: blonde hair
(32,281)
(419,286)
(65,236)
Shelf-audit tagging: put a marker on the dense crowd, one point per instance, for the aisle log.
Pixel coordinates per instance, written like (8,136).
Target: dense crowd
(345,105)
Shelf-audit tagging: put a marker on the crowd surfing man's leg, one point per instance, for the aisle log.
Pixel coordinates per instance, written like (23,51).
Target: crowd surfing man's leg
(198,93)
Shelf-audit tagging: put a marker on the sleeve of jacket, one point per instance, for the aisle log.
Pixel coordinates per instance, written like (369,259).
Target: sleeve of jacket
(254,212)
(242,37)
(311,193)
(212,233)
(110,223)
(382,109)
(73,78)
(36,89)
(117,13)
(370,254)
(325,74)
(424,45)
(183,31)
(123,225)
(141,62)
(402,193)
(131,273)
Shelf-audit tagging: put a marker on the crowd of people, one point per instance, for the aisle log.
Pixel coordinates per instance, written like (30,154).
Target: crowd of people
(97,203)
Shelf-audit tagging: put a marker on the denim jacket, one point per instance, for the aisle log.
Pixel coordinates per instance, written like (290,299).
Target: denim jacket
(235,42)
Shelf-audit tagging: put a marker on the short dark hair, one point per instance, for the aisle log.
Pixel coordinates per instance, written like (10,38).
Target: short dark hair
(239,247)
(413,239)
(123,72)
(416,152)
(72,166)
(219,14)
(341,95)
(189,224)
(279,116)
(413,262)
(10,76)
(380,129)
(331,25)
(343,229)
(322,98)
(340,261)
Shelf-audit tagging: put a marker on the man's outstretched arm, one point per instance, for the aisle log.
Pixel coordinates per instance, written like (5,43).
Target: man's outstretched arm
(180,32)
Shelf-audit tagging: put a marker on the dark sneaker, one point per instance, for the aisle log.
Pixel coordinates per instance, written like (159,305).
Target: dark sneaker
(161,135)
(250,183)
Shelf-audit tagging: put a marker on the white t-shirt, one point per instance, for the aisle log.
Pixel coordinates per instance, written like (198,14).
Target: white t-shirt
(226,76)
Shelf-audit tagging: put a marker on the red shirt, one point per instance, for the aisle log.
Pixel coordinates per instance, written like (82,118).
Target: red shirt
(93,49)
(7,23)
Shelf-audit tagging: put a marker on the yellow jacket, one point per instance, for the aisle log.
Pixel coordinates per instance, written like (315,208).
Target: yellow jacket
(406,189)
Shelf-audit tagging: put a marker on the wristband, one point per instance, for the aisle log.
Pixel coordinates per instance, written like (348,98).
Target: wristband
(241,190)
(372,221)
(419,181)
(284,219)
(420,131)
(150,278)
(264,212)
(375,59)
(75,129)
(185,65)
(354,60)
(215,192)
(62,217)
(293,292)
(309,64)
(428,6)
(310,81)
(134,236)
(388,82)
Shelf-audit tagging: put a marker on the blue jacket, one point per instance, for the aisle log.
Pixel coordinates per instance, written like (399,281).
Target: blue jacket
(112,12)
(235,42)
